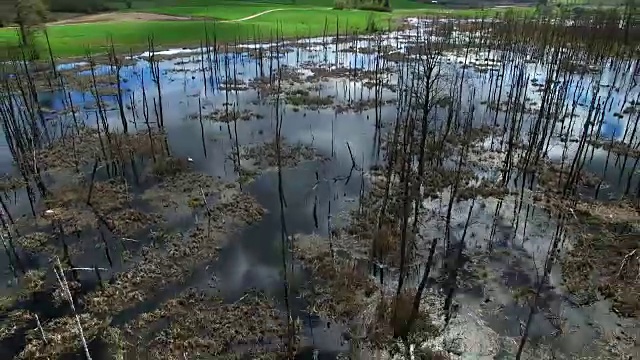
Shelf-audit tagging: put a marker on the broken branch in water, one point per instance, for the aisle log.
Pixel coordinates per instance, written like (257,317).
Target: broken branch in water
(626,260)
(87,269)
(64,286)
(353,160)
(44,337)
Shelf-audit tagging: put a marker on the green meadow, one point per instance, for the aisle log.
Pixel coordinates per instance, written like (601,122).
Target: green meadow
(224,21)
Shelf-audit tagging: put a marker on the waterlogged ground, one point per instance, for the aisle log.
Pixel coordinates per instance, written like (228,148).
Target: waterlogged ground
(186,233)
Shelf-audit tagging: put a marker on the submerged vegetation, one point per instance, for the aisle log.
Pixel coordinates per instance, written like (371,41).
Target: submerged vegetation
(457,188)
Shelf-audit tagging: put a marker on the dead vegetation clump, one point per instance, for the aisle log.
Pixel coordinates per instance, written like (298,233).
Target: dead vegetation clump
(180,254)
(265,51)
(10,183)
(472,137)
(105,196)
(233,85)
(268,85)
(303,98)
(62,337)
(552,178)
(36,242)
(324,73)
(87,144)
(167,166)
(71,220)
(189,191)
(110,204)
(484,189)
(366,239)
(183,191)
(59,295)
(105,84)
(265,155)
(363,105)
(200,323)
(227,116)
(154,272)
(605,255)
(128,221)
(342,289)
(14,321)
(31,282)
(240,207)
(368,49)
(618,147)
(393,317)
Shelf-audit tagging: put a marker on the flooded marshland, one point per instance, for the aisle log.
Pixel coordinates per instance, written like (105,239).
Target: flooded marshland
(455,189)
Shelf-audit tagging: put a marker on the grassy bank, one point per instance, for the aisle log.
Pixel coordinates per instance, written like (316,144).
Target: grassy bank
(77,39)
(304,18)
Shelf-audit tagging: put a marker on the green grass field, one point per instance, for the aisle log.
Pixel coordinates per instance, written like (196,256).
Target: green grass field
(302,18)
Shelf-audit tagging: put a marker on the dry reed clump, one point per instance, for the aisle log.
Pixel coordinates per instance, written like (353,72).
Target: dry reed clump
(175,190)
(265,155)
(367,49)
(276,82)
(191,190)
(36,242)
(605,255)
(343,292)
(363,105)
(87,144)
(238,208)
(392,316)
(199,323)
(340,289)
(62,337)
(157,269)
(71,220)
(128,222)
(378,237)
(618,147)
(553,177)
(363,237)
(302,97)
(113,338)
(614,212)
(59,295)
(10,183)
(483,190)
(233,85)
(167,166)
(31,282)
(269,51)
(110,204)
(15,321)
(227,116)
(322,73)
(105,196)
(473,137)
(78,80)
(153,272)
(6,302)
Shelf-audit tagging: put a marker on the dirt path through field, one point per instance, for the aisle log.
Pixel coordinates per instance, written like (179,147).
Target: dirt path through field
(269,11)
(119,16)
(143,16)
